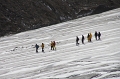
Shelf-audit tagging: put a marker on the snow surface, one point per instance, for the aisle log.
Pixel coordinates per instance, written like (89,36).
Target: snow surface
(96,60)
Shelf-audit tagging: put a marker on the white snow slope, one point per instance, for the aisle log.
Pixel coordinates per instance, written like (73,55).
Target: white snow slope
(96,60)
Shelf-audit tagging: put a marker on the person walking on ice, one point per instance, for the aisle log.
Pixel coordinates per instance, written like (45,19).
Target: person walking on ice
(77,39)
(99,35)
(36,46)
(42,46)
(83,38)
(96,35)
(54,45)
(90,37)
(51,45)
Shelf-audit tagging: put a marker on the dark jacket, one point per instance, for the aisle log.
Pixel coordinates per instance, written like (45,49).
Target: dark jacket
(77,39)
(37,46)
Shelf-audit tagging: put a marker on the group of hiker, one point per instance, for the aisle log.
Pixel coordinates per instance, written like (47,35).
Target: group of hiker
(52,44)
(89,37)
(97,35)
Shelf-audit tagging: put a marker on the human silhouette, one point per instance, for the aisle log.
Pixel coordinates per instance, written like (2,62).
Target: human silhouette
(42,46)
(96,35)
(83,38)
(99,35)
(77,39)
(36,46)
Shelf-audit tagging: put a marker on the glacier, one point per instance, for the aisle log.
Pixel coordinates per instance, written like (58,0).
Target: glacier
(96,60)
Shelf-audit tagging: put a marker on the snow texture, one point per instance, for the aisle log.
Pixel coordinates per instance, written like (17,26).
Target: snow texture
(96,60)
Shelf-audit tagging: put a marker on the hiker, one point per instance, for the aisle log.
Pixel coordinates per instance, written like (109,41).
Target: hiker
(90,37)
(54,45)
(99,35)
(83,39)
(77,39)
(36,46)
(51,45)
(42,46)
(96,35)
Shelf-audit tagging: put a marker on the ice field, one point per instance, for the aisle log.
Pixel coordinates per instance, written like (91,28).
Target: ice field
(96,60)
